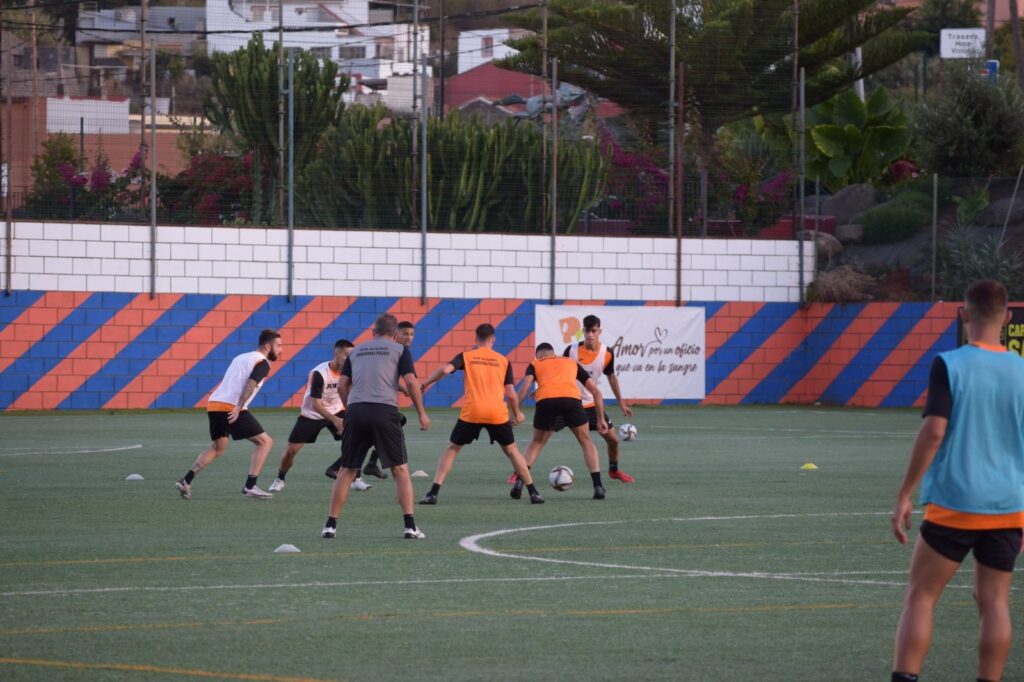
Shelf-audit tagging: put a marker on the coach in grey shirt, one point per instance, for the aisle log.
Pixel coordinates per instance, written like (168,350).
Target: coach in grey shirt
(368,383)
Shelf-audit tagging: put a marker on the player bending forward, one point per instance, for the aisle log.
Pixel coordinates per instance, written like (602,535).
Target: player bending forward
(488,383)
(368,385)
(558,396)
(969,459)
(322,408)
(228,414)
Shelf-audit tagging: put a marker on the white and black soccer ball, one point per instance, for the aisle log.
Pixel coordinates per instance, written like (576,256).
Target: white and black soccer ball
(627,432)
(561,478)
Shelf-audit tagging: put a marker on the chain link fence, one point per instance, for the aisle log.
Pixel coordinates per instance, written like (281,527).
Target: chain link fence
(654,118)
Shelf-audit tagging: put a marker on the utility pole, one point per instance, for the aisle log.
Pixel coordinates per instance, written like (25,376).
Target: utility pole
(280,113)
(142,73)
(35,79)
(440,90)
(1018,51)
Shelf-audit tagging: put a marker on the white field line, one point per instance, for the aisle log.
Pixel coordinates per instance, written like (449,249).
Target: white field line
(767,429)
(88,451)
(319,585)
(473,544)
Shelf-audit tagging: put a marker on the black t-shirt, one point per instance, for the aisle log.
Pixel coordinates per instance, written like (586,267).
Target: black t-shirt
(459,362)
(939,402)
(260,371)
(316,386)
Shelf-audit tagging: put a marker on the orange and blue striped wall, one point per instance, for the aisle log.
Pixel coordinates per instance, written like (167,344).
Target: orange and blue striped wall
(82,350)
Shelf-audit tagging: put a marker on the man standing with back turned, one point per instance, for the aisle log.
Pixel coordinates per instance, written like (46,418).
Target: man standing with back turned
(969,458)
(368,384)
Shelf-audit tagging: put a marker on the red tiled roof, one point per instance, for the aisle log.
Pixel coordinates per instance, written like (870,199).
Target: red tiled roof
(492,83)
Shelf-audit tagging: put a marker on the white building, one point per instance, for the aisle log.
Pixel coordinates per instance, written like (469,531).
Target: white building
(350,32)
(483,46)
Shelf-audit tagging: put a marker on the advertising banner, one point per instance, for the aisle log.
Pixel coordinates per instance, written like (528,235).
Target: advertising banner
(658,351)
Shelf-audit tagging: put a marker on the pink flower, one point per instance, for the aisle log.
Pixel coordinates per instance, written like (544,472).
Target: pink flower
(67,172)
(100,178)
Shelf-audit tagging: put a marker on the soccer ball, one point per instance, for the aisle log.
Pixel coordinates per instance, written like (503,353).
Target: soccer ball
(561,478)
(627,432)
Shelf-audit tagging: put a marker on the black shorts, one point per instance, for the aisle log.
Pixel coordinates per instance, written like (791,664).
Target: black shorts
(465,433)
(550,409)
(306,430)
(373,425)
(245,426)
(591,417)
(997,549)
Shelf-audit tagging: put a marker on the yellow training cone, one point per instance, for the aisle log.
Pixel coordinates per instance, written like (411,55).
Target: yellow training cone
(810,466)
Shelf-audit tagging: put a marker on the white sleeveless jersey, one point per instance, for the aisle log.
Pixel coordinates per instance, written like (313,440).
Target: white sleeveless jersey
(595,369)
(230,388)
(330,398)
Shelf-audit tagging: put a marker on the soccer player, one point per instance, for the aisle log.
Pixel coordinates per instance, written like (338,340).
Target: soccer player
(321,409)
(558,396)
(368,386)
(488,383)
(228,414)
(969,458)
(406,333)
(598,360)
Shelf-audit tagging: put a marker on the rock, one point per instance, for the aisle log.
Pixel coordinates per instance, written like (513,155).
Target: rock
(849,202)
(849,234)
(994,214)
(828,246)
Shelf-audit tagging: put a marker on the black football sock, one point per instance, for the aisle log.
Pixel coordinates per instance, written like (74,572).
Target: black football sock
(903,677)
(332,522)
(189,475)
(281,474)
(410,522)
(596,478)
(250,481)
(374,458)
(435,489)
(336,466)
(532,489)
(613,467)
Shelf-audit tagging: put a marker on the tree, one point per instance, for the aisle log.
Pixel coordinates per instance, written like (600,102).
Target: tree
(243,102)
(972,128)
(738,53)
(936,15)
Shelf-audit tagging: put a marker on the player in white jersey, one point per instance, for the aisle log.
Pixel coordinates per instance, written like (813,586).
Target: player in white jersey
(322,408)
(229,415)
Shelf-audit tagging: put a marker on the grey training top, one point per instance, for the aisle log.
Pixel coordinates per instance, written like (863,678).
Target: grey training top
(374,368)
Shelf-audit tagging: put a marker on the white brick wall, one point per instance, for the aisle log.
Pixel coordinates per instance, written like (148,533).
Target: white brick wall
(219,260)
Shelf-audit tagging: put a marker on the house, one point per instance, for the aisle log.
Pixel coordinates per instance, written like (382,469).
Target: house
(362,36)
(511,93)
(108,42)
(483,46)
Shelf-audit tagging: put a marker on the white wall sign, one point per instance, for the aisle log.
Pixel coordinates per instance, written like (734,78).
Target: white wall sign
(659,351)
(961,43)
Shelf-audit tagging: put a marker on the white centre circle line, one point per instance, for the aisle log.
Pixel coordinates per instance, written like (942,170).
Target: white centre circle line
(473,544)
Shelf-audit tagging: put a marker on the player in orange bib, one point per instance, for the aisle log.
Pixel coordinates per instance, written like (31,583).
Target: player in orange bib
(558,398)
(489,382)
(598,360)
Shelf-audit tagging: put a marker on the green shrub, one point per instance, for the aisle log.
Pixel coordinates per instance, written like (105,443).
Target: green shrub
(914,199)
(892,222)
(967,256)
(972,128)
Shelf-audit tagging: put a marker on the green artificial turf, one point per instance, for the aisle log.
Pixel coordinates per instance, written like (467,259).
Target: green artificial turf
(724,561)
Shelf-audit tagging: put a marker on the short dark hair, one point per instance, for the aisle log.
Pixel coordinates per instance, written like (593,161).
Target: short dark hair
(268,336)
(987,299)
(591,321)
(484,331)
(385,325)
(343,343)
(544,346)
(406,324)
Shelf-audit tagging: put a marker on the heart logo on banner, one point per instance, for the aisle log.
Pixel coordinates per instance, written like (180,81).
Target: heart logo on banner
(660,334)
